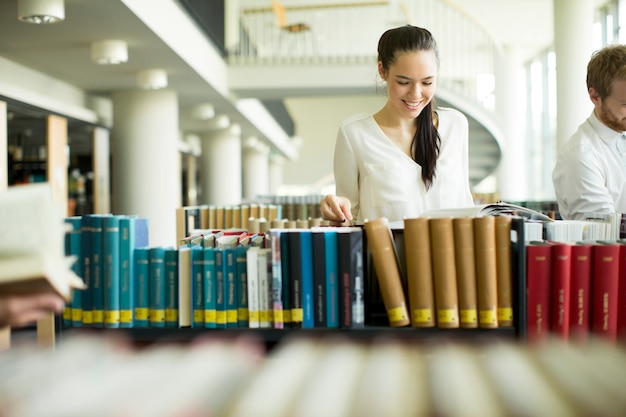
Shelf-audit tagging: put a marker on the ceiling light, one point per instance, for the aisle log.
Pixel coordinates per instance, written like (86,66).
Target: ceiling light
(109,52)
(203,112)
(152,79)
(40,11)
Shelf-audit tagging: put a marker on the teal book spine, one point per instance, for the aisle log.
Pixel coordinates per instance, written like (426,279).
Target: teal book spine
(308,316)
(133,234)
(97,272)
(171,287)
(141,272)
(220,283)
(85,261)
(111,270)
(210,299)
(197,282)
(332,278)
(157,287)
(230,296)
(73,311)
(242,286)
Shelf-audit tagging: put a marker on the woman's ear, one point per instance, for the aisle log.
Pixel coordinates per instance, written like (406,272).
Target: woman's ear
(381,71)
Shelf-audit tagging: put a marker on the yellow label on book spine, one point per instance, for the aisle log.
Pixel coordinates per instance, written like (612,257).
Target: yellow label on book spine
(254,316)
(397,313)
(157,316)
(488,316)
(67,313)
(171,314)
(505,314)
(198,316)
(278,316)
(297,315)
(264,316)
(126,316)
(231,316)
(422,315)
(242,314)
(98,316)
(87,316)
(469,316)
(448,316)
(220,317)
(210,316)
(142,313)
(77,314)
(286,316)
(112,317)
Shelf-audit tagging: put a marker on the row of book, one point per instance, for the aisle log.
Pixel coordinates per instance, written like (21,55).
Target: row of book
(576,290)
(310,277)
(97,376)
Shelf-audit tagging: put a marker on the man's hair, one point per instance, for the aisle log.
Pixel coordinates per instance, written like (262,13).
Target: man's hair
(606,65)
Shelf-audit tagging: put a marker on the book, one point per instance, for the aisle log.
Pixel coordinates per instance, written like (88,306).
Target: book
(580,292)
(141,272)
(499,208)
(252,272)
(111,240)
(444,272)
(561,289)
(171,287)
(72,248)
(285,269)
(351,272)
(277,278)
(220,291)
(465,259)
(264,262)
(242,286)
(319,278)
(85,261)
(419,272)
(157,286)
(504,270)
(621,295)
(539,290)
(197,285)
(604,290)
(486,271)
(97,272)
(384,259)
(185,304)
(231,297)
(133,234)
(208,284)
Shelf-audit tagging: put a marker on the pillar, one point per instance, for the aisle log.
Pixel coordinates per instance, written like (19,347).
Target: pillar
(511,99)
(276,170)
(220,166)
(573,23)
(255,168)
(145,162)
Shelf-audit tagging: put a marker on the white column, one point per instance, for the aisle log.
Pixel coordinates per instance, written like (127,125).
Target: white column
(511,99)
(573,22)
(255,168)
(145,162)
(220,167)
(4,146)
(276,170)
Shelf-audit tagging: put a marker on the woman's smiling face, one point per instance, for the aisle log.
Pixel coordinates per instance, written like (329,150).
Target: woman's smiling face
(411,82)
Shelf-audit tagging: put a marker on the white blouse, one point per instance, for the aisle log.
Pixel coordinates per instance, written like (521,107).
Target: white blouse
(382,181)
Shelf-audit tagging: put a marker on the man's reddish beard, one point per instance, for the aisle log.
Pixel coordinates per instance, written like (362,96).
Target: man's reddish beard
(609,119)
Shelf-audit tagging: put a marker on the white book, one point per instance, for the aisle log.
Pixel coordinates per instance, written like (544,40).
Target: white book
(265,287)
(252,271)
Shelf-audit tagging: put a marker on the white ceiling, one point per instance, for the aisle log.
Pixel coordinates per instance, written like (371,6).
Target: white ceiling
(62,50)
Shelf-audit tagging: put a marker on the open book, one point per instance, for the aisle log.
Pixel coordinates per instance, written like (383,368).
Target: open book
(491,209)
(32,256)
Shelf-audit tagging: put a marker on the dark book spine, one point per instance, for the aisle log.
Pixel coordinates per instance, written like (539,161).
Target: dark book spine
(319,279)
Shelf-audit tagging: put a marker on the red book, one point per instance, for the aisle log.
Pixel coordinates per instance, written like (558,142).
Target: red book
(580,292)
(561,278)
(604,281)
(539,290)
(621,293)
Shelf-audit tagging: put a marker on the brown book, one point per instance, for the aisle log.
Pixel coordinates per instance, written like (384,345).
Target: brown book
(419,272)
(444,272)
(387,271)
(504,271)
(465,271)
(486,271)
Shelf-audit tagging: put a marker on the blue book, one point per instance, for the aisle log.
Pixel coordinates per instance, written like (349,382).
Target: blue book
(230,296)
(197,282)
(73,311)
(242,286)
(85,262)
(308,317)
(111,270)
(331,273)
(133,234)
(157,286)
(171,287)
(301,274)
(220,283)
(97,272)
(141,291)
(210,297)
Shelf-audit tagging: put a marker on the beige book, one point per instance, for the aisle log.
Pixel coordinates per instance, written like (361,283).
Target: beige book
(465,271)
(387,270)
(184,287)
(486,275)
(504,271)
(419,272)
(444,272)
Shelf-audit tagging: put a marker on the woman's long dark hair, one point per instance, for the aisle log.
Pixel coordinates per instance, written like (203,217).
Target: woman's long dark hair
(426,142)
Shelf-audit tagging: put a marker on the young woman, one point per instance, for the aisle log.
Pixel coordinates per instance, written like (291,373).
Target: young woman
(408,157)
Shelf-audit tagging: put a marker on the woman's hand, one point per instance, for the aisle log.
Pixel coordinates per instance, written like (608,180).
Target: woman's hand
(336,209)
(23,309)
